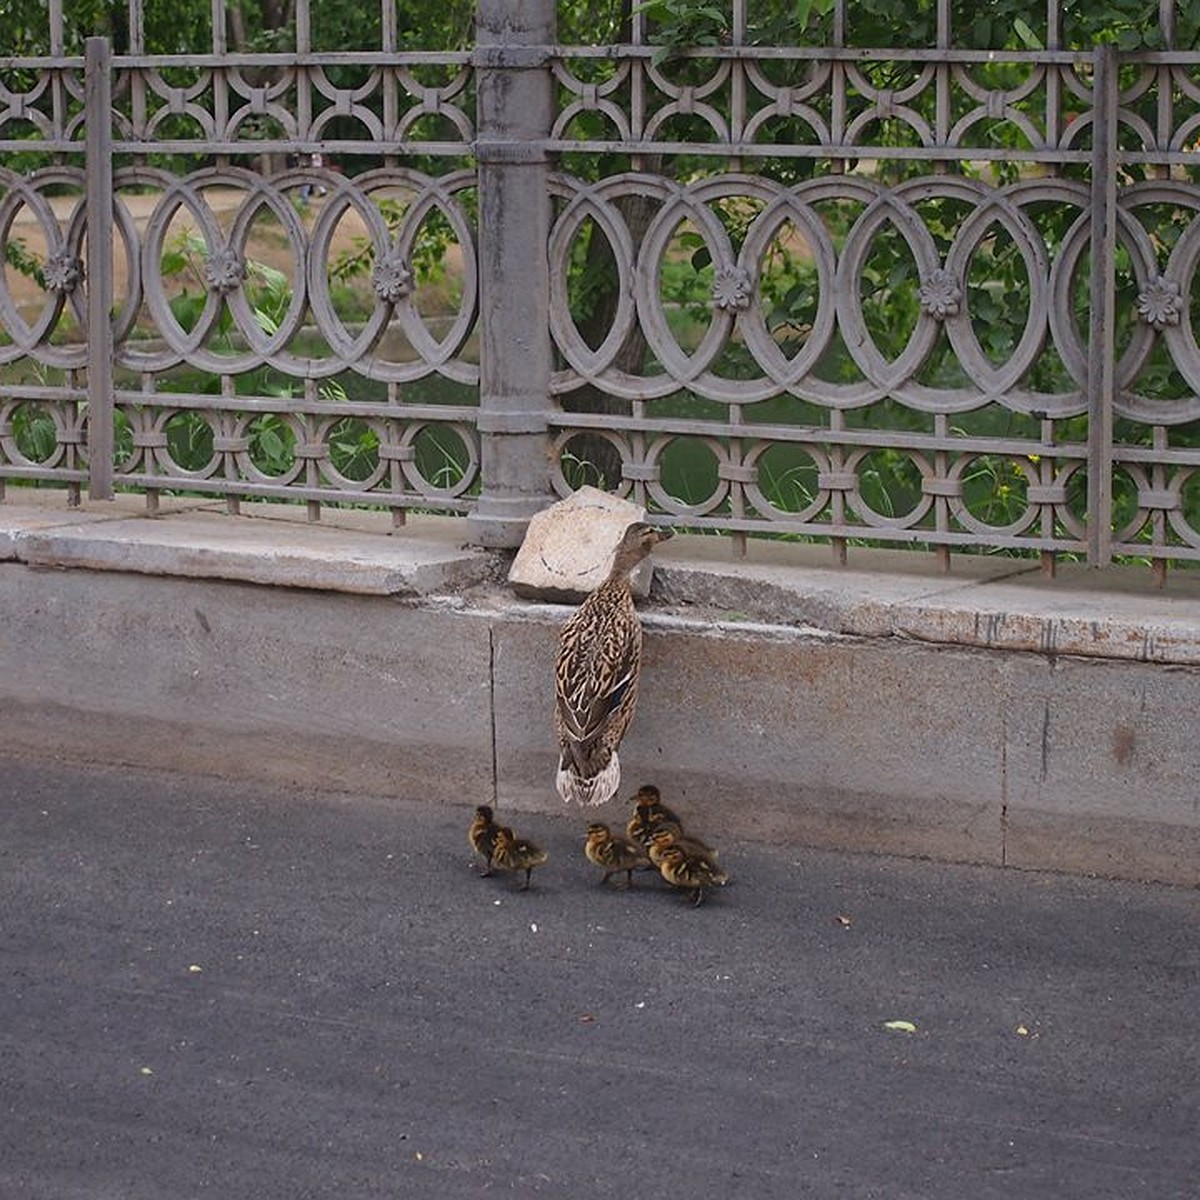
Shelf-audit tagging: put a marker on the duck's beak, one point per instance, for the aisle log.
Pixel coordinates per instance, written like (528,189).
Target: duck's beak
(664,533)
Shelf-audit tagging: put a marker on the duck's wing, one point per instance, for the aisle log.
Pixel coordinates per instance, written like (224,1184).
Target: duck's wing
(596,677)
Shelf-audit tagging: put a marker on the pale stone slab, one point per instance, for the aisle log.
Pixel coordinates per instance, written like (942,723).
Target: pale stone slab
(16,522)
(203,545)
(986,603)
(568,548)
(30,510)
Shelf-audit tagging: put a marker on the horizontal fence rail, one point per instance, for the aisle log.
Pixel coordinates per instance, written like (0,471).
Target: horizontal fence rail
(936,295)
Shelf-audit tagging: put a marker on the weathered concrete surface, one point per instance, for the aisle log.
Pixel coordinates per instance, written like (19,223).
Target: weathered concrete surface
(352,552)
(286,684)
(1103,767)
(779,731)
(841,709)
(986,603)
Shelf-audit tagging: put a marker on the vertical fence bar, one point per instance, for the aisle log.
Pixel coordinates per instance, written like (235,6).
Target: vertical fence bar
(98,158)
(1101,341)
(220,35)
(514,90)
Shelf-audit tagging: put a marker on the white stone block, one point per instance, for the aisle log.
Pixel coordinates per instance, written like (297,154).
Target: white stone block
(568,548)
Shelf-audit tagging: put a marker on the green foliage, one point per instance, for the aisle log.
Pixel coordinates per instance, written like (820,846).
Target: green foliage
(1130,25)
(272,444)
(35,432)
(21,259)
(434,239)
(684,25)
(353,445)
(269,291)
(680,25)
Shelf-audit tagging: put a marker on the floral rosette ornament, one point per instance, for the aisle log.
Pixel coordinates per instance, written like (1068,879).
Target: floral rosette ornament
(1160,302)
(392,279)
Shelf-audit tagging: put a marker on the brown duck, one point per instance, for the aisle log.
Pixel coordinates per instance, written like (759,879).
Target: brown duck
(596,676)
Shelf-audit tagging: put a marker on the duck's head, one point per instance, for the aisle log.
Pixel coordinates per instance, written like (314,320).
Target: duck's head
(647,794)
(484,812)
(636,542)
(673,856)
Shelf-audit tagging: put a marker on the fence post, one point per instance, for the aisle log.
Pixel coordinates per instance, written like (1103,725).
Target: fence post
(1101,371)
(99,267)
(514,99)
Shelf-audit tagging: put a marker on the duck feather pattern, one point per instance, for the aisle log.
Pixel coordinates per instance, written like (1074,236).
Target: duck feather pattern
(596,676)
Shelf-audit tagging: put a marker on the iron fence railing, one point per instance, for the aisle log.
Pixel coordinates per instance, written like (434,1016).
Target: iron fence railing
(937,296)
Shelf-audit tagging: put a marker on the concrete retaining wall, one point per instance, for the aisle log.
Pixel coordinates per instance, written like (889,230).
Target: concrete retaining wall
(826,733)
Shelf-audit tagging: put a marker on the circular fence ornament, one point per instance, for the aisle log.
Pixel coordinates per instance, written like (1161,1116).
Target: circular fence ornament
(1160,302)
(731,288)
(62,272)
(392,279)
(940,295)
(224,271)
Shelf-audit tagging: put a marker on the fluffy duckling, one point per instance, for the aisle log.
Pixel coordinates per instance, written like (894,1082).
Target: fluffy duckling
(517,854)
(649,814)
(482,836)
(689,872)
(665,837)
(613,853)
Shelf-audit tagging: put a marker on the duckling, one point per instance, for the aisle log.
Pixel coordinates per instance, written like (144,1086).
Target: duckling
(665,837)
(613,853)
(517,854)
(482,836)
(596,676)
(649,814)
(690,872)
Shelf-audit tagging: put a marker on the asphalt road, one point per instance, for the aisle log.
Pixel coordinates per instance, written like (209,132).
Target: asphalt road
(211,990)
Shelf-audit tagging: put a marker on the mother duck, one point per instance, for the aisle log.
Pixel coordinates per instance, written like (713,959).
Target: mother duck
(596,676)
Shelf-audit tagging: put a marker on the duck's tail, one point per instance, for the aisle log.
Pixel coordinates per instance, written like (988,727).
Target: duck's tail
(589,790)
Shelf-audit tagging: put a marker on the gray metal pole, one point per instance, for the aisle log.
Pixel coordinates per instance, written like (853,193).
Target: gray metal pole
(515,113)
(98,150)
(1101,333)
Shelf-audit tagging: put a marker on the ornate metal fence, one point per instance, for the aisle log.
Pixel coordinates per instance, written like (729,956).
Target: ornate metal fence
(934,295)
(267,335)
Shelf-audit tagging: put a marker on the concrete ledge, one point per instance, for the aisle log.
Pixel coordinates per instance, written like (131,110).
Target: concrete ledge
(989,716)
(986,603)
(266,544)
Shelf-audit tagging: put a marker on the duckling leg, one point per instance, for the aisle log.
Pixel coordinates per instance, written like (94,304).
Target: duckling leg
(487,870)
(525,886)
(699,898)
